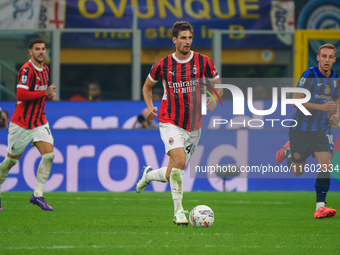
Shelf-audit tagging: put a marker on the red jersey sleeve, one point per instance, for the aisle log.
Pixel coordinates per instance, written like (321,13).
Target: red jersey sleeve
(210,70)
(156,71)
(25,78)
(25,91)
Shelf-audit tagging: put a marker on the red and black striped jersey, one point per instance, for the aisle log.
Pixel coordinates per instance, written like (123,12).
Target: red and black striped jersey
(32,82)
(182,80)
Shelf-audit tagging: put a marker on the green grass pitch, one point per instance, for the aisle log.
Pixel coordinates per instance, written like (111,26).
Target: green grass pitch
(130,223)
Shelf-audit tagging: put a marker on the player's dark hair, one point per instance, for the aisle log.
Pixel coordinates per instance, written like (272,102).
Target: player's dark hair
(181,26)
(34,41)
(327,46)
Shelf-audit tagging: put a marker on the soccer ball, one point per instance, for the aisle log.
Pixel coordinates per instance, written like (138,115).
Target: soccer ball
(201,216)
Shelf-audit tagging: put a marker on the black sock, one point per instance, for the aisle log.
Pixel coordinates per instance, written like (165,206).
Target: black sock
(322,186)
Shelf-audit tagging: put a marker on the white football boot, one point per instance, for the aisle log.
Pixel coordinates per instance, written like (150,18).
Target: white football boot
(143,182)
(180,219)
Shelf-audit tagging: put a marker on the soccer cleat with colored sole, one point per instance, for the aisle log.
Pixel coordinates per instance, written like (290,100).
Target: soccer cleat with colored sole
(41,202)
(143,182)
(180,219)
(280,155)
(324,212)
(0,205)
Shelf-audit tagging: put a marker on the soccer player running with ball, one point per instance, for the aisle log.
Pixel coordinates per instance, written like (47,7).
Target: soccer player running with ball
(28,123)
(180,114)
(312,134)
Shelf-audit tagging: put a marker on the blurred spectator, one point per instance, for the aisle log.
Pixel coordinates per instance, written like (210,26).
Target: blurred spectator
(93,93)
(143,122)
(3,119)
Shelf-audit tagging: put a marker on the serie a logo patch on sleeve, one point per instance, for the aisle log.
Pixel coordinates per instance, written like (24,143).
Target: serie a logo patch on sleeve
(24,79)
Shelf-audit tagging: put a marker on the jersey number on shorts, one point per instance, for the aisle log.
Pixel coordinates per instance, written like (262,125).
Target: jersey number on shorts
(330,140)
(190,148)
(48,130)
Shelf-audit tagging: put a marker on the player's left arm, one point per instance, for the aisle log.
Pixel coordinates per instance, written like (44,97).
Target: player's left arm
(51,90)
(51,96)
(214,78)
(210,102)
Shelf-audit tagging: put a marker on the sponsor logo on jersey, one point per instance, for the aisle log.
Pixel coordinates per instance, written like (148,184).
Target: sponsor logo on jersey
(40,87)
(183,84)
(327,98)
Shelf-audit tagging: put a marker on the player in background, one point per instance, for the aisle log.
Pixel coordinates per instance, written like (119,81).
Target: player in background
(180,120)
(312,134)
(28,123)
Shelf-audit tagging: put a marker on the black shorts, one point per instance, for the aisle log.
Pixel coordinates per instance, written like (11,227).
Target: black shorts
(305,143)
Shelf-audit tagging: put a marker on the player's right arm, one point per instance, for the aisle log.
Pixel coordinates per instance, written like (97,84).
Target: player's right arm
(325,107)
(154,75)
(306,81)
(147,94)
(25,83)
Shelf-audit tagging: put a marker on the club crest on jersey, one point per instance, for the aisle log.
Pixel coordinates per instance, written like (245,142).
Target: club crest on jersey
(194,70)
(24,79)
(327,90)
(171,141)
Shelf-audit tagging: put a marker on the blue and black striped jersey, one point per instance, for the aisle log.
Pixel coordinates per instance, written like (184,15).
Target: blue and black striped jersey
(322,90)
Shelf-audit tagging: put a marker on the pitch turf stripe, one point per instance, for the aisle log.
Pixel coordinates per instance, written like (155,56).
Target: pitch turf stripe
(167,233)
(65,247)
(154,199)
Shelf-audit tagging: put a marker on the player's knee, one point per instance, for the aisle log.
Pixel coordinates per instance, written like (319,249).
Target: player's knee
(325,164)
(179,163)
(48,157)
(328,163)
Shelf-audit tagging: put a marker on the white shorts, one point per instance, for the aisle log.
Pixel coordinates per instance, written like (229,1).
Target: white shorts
(176,137)
(19,138)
